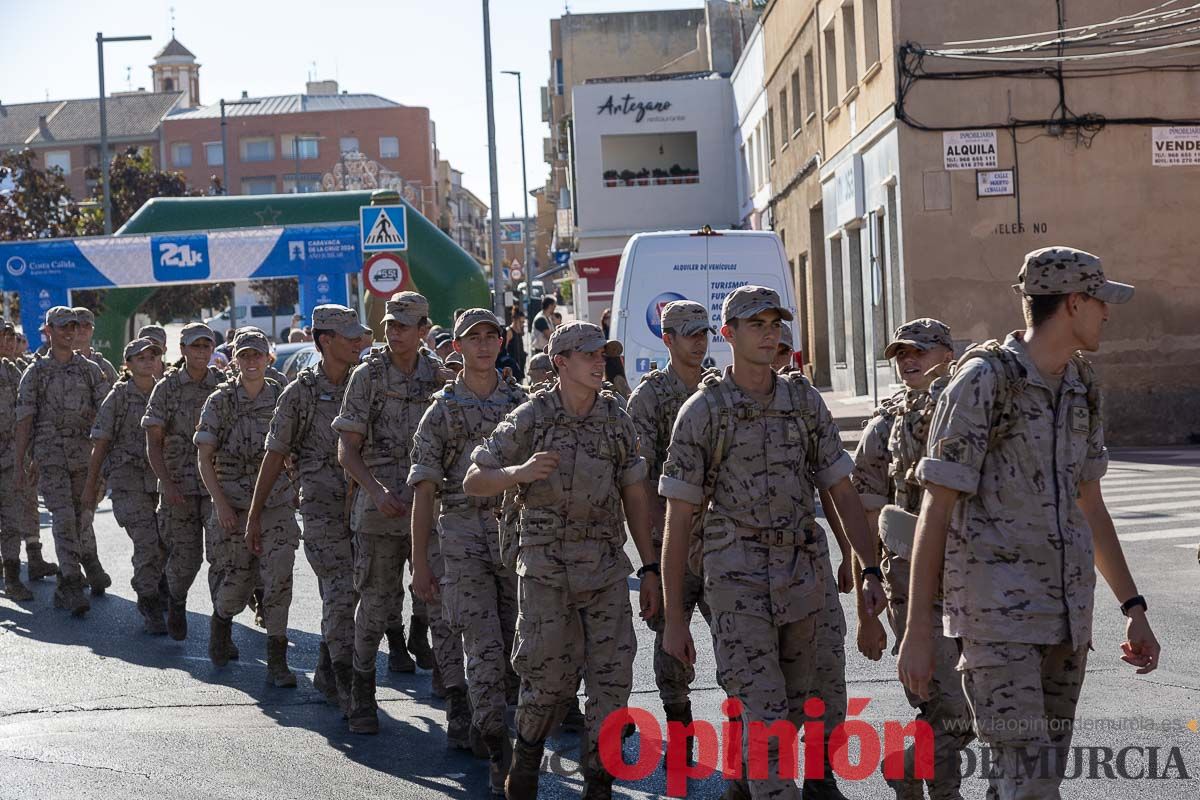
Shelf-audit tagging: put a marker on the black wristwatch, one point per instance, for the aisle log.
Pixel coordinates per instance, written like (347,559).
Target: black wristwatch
(651,567)
(876,571)
(1132,603)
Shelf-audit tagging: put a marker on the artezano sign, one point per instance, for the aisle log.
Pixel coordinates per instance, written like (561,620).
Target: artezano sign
(628,105)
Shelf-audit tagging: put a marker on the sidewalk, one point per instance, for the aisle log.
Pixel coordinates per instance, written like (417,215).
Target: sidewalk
(851,413)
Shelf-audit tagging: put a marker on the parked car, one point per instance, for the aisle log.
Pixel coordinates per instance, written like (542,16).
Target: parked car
(276,322)
(293,357)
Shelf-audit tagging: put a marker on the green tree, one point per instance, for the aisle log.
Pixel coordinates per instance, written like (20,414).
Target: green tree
(185,301)
(276,293)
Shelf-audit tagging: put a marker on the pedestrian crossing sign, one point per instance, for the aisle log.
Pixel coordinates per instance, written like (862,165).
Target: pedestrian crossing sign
(383,228)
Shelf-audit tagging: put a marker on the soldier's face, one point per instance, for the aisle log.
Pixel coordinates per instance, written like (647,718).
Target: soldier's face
(8,344)
(83,337)
(913,364)
(63,335)
(402,338)
(1088,316)
(479,348)
(584,369)
(251,363)
(755,340)
(687,350)
(198,353)
(539,375)
(783,358)
(145,363)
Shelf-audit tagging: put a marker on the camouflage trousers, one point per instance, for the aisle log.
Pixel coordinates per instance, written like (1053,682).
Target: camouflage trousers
(280,537)
(188,539)
(769,668)
(329,548)
(33,518)
(90,547)
(672,676)
(136,512)
(61,488)
(447,645)
(379,580)
(561,635)
(14,517)
(946,710)
(1023,699)
(829,661)
(479,601)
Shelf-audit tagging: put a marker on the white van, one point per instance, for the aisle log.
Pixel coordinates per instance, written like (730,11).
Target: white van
(249,309)
(703,266)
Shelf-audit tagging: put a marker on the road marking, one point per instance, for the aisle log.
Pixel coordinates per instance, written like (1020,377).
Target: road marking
(1168,533)
(1182,505)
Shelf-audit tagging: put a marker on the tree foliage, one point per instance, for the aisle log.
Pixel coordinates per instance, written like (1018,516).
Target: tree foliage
(34,203)
(185,301)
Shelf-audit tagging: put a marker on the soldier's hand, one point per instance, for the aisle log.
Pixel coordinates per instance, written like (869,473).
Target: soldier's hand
(423,582)
(845,576)
(872,638)
(539,467)
(227,518)
(389,504)
(88,499)
(172,494)
(677,641)
(650,596)
(1140,648)
(874,600)
(916,663)
(254,535)
(507,374)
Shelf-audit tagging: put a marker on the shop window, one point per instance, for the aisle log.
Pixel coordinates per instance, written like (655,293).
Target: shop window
(649,159)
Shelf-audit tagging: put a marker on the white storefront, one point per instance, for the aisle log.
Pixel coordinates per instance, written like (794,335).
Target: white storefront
(649,155)
(750,111)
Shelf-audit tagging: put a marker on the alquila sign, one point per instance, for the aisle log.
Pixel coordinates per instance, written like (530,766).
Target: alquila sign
(628,105)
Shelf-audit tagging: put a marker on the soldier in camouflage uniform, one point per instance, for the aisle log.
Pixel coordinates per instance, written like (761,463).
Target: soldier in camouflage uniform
(13,519)
(158,335)
(573,451)
(540,374)
(383,403)
(184,505)
(653,406)
(1015,527)
(885,466)
(83,343)
(57,403)
(230,441)
(301,430)
(748,451)
(27,521)
(478,593)
(119,454)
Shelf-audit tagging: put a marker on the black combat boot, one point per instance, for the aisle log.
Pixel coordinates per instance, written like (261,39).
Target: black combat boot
(458,719)
(220,636)
(522,780)
(38,567)
(500,753)
(682,713)
(323,678)
(398,658)
(12,582)
(97,578)
(364,713)
(418,643)
(152,619)
(177,618)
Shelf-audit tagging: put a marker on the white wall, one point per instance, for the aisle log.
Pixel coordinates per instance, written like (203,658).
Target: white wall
(750,106)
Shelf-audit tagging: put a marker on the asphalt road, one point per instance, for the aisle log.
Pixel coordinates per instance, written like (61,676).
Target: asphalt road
(93,708)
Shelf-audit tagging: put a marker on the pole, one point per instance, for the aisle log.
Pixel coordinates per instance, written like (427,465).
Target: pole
(497,256)
(104,138)
(524,182)
(224,160)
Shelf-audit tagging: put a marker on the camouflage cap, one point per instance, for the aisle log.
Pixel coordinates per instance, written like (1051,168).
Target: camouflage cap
(454,360)
(540,362)
(84,315)
(250,329)
(155,332)
(194,332)
(685,317)
(922,334)
(1063,270)
(746,301)
(585,337)
(251,340)
(472,317)
(407,308)
(140,346)
(6,326)
(59,316)
(785,338)
(339,319)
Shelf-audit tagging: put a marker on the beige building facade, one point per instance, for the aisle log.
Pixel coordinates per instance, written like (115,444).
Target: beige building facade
(929,200)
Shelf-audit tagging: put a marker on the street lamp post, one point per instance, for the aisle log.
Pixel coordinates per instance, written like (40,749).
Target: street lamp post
(524,181)
(100,41)
(224,150)
(497,283)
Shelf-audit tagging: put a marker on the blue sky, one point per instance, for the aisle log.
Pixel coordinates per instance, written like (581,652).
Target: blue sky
(415,52)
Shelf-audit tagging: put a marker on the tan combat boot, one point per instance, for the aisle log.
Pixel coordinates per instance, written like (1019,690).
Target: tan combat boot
(278,673)
(12,582)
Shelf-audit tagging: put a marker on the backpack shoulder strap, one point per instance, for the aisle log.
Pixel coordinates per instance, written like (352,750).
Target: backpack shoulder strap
(1011,380)
(721,413)
(456,425)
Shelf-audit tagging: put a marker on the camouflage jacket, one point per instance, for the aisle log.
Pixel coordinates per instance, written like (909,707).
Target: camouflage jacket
(174,406)
(106,366)
(119,422)
(893,443)
(302,427)
(10,381)
(63,399)
(1019,564)
(237,425)
(654,405)
(571,529)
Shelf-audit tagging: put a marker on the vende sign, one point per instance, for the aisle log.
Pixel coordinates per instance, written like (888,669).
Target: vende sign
(1177,146)
(969,149)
